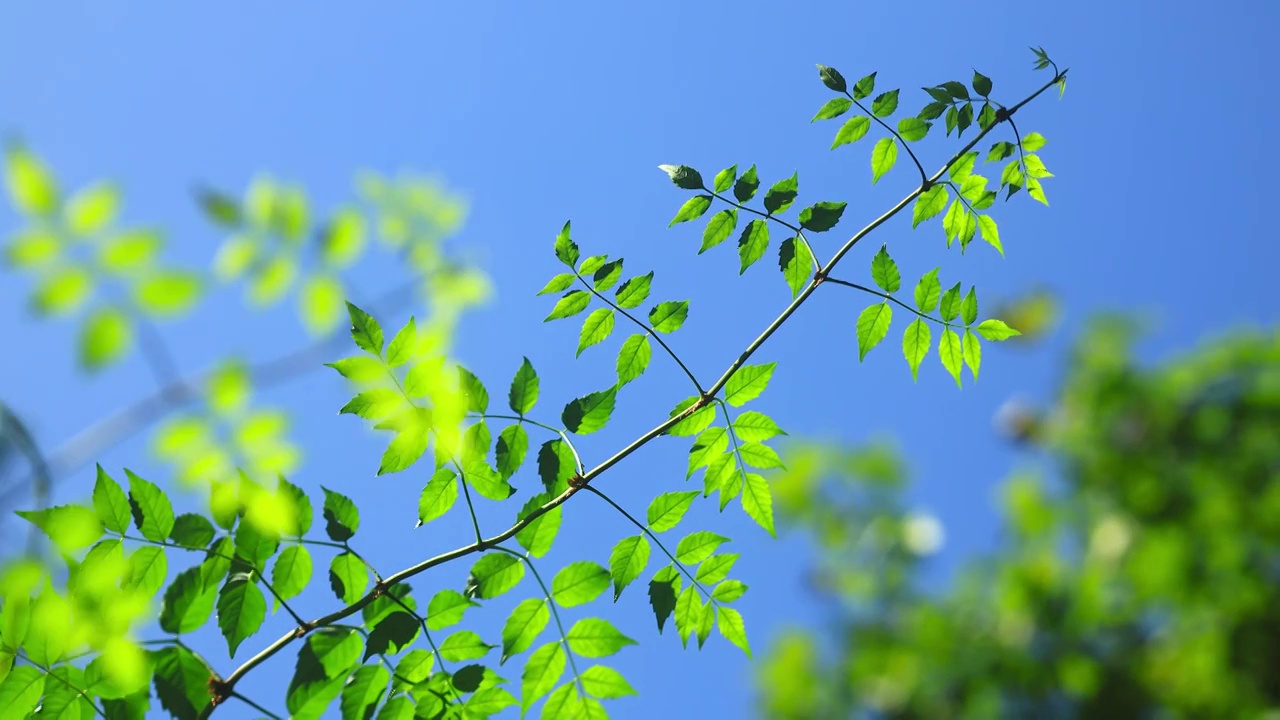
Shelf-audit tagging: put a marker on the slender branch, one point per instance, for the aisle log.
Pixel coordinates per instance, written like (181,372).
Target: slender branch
(648,331)
(255,706)
(156,353)
(645,529)
(890,298)
(12,428)
(466,493)
(426,633)
(581,482)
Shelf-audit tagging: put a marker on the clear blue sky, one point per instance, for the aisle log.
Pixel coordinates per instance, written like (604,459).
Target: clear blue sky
(544,112)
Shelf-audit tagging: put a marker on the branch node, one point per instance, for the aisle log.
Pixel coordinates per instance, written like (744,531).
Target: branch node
(818,277)
(219,690)
(577,482)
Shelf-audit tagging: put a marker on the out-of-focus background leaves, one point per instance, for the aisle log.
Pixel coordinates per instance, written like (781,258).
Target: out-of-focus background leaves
(1138,572)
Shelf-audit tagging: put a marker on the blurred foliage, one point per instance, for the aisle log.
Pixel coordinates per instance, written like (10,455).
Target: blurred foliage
(1143,581)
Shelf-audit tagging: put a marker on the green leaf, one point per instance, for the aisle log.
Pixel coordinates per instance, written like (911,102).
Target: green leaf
(566,249)
(34,247)
(464,645)
(363,692)
(477,395)
(592,264)
(607,276)
(711,443)
(414,668)
(796,263)
(110,503)
(447,608)
(1002,150)
(403,345)
(1031,142)
(627,561)
(438,496)
(928,291)
(365,331)
(688,613)
(885,104)
(71,527)
(595,329)
(589,413)
(821,216)
(692,209)
(873,326)
(541,673)
(391,634)
(996,330)
(950,353)
(1036,191)
(990,232)
(487,481)
(884,271)
(913,129)
(757,501)
(348,577)
(716,568)
(403,450)
(106,334)
(695,422)
(187,603)
(152,511)
(320,302)
(489,701)
(21,690)
(605,683)
(972,352)
(981,84)
(667,317)
(573,302)
(292,572)
(959,224)
(865,86)
(666,510)
(511,449)
(835,107)
(579,583)
(752,426)
(698,546)
(930,204)
(745,187)
(883,157)
(962,168)
(782,194)
(633,358)
(342,518)
(147,569)
(634,291)
(662,593)
(181,681)
(594,637)
(969,308)
(733,629)
(556,464)
(728,591)
(523,394)
(62,291)
(683,176)
(375,404)
(31,185)
(949,306)
(167,293)
(191,530)
(759,455)
(241,610)
(558,283)
(493,575)
(523,626)
(724,178)
(752,244)
(719,228)
(853,130)
(915,345)
(1035,166)
(747,383)
(831,78)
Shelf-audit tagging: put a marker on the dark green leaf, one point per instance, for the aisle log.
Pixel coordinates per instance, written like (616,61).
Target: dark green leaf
(192,530)
(342,519)
(566,248)
(365,331)
(363,692)
(865,86)
(152,511)
(683,176)
(796,263)
(667,317)
(752,243)
(745,187)
(348,577)
(110,502)
(241,610)
(782,194)
(822,216)
(187,603)
(913,129)
(832,78)
(589,413)
(634,291)
(627,561)
(885,103)
(493,575)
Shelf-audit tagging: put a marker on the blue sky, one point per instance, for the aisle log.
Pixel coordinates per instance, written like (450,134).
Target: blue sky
(540,113)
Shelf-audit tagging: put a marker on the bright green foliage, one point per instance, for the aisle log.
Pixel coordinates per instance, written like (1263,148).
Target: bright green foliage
(883,158)
(255,538)
(796,263)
